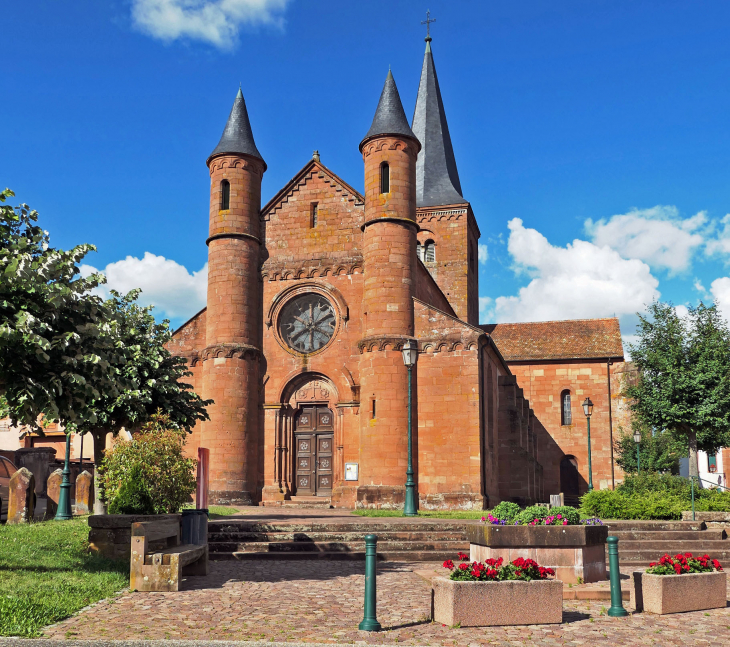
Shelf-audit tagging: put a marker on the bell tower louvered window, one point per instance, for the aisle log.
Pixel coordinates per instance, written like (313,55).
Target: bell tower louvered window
(419,251)
(225,195)
(430,253)
(566,415)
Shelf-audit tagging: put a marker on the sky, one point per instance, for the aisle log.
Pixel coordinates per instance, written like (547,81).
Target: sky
(591,138)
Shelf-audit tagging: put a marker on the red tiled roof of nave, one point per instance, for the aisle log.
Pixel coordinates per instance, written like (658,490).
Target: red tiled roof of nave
(555,340)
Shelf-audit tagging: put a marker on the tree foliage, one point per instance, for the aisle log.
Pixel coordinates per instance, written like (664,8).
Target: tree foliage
(658,452)
(58,341)
(154,456)
(683,381)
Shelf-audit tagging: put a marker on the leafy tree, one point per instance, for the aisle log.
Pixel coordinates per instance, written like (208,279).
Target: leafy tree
(155,456)
(683,380)
(658,452)
(58,341)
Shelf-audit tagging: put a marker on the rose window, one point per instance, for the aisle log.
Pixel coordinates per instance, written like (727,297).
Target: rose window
(307,323)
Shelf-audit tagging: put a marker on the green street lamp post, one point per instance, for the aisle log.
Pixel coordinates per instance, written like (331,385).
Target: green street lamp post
(63,513)
(410,357)
(588,410)
(637,440)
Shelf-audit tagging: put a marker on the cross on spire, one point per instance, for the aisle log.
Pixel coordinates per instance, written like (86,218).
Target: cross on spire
(428,22)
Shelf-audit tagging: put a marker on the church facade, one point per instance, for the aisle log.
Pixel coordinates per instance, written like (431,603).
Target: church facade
(311,299)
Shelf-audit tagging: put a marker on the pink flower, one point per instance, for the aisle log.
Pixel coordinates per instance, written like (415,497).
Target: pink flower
(565,523)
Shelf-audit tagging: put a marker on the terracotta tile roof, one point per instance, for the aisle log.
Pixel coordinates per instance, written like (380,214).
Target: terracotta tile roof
(551,340)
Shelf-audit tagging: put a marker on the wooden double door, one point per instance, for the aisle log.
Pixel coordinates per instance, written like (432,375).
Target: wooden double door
(314,438)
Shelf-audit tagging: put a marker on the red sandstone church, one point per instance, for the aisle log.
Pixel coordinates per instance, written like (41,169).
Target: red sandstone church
(310,302)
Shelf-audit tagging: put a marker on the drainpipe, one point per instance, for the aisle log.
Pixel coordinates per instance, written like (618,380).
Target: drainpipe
(610,421)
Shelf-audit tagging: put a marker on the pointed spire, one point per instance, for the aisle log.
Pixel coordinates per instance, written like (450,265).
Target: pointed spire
(437,180)
(237,136)
(390,118)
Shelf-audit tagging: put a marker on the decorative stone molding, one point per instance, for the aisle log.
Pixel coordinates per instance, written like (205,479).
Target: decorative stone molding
(399,221)
(243,162)
(238,235)
(228,351)
(447,345)
(380,142)
(442,214)
(383,342)
(345,267)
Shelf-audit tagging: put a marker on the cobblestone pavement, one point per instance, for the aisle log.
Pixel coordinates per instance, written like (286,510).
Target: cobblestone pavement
(321,601)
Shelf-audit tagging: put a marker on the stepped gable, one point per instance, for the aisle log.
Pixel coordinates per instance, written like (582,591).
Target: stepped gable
(558,340)
(310,169)
(437,179)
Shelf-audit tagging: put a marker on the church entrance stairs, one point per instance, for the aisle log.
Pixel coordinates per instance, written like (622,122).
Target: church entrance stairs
(398,540)
(641,542)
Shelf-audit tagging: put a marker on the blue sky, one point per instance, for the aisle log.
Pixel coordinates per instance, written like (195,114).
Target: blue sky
(591,137)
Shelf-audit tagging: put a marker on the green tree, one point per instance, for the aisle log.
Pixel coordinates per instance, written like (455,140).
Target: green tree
(683,377)
(58,341)
(659,452)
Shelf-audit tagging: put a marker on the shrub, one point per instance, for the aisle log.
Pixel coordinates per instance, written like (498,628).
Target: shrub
(610,504)
(133,497)
(532,513)
(506,511)
(570,514)
(157,449)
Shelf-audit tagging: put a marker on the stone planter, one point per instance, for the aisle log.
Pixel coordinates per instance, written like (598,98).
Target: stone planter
(663,594)
(111,534)
(571,551)
(487,604)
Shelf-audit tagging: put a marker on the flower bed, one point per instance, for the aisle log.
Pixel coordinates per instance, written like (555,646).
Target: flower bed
(489,593)
(680,583)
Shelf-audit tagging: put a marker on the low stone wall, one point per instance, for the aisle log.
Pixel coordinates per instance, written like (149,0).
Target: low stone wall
(574,552)
(712,519)
(111,534)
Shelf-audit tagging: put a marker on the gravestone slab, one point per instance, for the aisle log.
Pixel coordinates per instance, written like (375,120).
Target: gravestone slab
(21,499)
(53,491)
(84,493)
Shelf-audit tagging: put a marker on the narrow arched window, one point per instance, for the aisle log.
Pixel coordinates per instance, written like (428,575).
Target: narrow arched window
(225,195)
(430,254)
(313,214)
(384,178)
(566,415)
(419,251)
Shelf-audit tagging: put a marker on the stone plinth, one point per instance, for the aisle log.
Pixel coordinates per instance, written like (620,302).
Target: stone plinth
(711,519)
(84,493)
(111,534)
(662,594)
(571,551)
(21,497)
(53,492)
(486,604)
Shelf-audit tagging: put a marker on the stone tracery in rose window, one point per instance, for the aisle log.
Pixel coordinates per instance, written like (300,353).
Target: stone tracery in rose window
(307,322)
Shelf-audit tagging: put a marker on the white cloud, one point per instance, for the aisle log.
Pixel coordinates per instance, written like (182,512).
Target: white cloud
(213,21)
(167,285)
(581,280)
(484,305)
(720,290)
(657,236)
(721,244)
(482,253)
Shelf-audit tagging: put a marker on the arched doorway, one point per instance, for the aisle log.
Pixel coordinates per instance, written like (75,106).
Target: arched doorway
(569,477)
(314,439)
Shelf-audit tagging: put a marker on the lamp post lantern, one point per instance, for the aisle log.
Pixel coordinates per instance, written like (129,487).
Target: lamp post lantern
(637,440)
(410,357)
(588,410)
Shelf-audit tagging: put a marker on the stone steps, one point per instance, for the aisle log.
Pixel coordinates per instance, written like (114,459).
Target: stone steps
(390,556)
(670,535)
(340,547)
(226,537)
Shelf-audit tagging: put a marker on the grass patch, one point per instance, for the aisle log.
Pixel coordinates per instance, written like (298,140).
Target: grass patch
(215,511)
(431,514)
(46,575)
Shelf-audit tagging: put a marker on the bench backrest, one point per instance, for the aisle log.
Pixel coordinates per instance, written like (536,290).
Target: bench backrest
(156,530)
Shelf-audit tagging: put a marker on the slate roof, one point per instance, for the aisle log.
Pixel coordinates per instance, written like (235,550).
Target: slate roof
(556,340)
(237,135)
(390,118)
(437,179)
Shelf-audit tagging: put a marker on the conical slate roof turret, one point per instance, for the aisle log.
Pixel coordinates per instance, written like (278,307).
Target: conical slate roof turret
(237,136)
(390,118)
(437,180)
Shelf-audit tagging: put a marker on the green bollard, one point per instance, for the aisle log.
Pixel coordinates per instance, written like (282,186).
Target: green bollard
(369,621)
(64,512)
(617,604)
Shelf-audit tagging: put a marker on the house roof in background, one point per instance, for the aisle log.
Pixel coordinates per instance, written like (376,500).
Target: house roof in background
(558,340)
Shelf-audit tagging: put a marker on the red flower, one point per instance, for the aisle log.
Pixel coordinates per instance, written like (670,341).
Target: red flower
(463,556)
(475,572)
(464,567)
(449,564)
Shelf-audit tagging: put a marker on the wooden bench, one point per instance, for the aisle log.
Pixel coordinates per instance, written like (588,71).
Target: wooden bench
(162,569)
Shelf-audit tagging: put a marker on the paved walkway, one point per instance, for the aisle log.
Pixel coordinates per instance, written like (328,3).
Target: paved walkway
(320,601)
